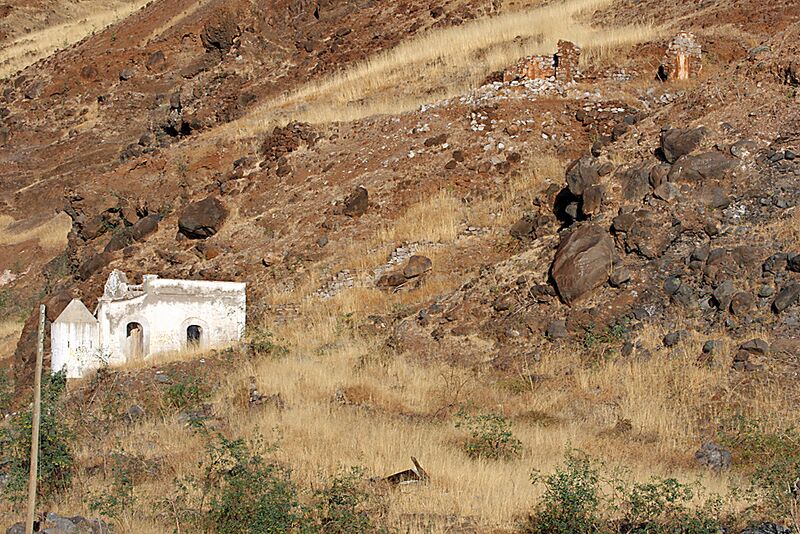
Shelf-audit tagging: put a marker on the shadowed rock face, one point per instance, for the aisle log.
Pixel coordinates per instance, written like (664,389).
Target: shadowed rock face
(678,142)
(582,263)
(202,219)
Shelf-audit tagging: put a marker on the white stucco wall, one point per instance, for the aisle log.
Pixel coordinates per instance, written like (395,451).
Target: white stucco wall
(165,311)
(76,347)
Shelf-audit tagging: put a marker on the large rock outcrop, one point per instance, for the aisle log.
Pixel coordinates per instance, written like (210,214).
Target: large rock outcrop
(583,262)
(202,219)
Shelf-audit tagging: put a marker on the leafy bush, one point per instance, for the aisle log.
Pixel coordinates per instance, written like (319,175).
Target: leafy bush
(119,497)
(261,343)
(56,460)
(571,499)
(661,506)
(238,491)
(5,391)
(341,506)
(772,458)
(188,393)
(574,502)
(490,437)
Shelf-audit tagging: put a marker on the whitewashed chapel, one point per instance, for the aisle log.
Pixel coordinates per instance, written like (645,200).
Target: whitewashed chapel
(136,321)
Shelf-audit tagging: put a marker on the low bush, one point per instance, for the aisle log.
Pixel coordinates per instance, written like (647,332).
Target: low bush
(663,506)
(577,498)
(571,499)
(119,496)
(237,490)
(490,437)
(56,459)
(341,506)
(187,393)
(771,460)
(5,391)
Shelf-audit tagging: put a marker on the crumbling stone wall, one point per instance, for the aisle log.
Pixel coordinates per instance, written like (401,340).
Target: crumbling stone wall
(563,65)
(683,58)
(566,60)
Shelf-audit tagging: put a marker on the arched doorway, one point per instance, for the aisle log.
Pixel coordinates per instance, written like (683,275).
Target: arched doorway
(134,341)
(194,335)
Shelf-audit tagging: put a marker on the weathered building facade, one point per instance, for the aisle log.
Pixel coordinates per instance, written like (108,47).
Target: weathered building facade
(133,322)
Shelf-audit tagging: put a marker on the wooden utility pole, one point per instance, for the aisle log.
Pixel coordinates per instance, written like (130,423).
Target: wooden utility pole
(37,408)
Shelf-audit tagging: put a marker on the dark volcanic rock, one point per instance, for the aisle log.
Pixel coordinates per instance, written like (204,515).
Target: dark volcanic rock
(144,227)
(706,166)
(714,457)
(786,297)
(356,203)
(581,174)
(219,35)
(678,142)
(583,262)
(202,219)
(94,264)
(767,528)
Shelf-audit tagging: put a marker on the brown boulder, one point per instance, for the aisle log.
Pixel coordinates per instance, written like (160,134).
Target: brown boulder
(581,174)
(26,347)
(219,35)
(156,61)
(583,262)
(94,264)
(202,219)
(356,203)
(706,166)
(416,266)
(144,227)
(393,279)
(677,142)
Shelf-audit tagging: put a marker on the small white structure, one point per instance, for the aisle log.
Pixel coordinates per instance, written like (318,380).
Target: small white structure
(136,321)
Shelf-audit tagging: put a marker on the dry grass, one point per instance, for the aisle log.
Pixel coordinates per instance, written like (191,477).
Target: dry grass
(25,50)
(9,335)
(436,219)
(400,405)
(51,234)
(393,415)
(440,64)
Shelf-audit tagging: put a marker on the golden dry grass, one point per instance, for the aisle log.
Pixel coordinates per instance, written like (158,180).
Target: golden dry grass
(435,219)
(51,234)
(440,64)
(86,19)
(399,407)
(9,335)
(402,405)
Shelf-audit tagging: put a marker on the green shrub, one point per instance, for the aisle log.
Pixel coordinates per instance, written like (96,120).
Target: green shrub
(574,501)
(490,437)
(662,506)
(772,460)
(119,497)
(238,491)
(341,506)
(56,460)
(5,391)
(190,392)
(261,343)
(571,499)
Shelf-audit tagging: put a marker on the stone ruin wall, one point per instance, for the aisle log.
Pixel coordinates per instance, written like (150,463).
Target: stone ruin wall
(563,65)
(683,59)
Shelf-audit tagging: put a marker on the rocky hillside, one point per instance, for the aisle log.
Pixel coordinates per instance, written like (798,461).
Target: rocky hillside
(606,261)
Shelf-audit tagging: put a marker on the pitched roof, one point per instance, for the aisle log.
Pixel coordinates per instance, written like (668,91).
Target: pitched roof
(76,312)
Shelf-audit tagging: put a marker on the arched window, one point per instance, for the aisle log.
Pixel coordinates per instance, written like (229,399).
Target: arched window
(194,335)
